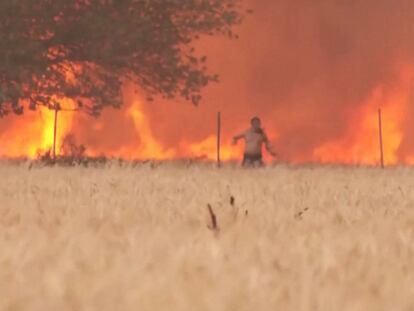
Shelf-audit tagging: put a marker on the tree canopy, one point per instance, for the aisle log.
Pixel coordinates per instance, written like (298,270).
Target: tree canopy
(86,49)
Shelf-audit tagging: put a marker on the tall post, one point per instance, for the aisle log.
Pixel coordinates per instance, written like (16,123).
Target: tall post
(381,143)
(218,138)
(55,132)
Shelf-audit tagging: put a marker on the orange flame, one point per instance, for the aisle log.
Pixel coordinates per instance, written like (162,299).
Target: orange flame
(33,133)
(207,149)
(360,143)
(149,148)
(27,135)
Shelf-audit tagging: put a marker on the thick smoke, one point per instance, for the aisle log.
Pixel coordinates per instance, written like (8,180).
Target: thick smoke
(305,67)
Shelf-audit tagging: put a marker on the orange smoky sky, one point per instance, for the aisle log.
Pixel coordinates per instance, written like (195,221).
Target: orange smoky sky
(316,72)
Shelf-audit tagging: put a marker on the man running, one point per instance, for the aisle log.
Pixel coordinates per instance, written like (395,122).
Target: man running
(254,138)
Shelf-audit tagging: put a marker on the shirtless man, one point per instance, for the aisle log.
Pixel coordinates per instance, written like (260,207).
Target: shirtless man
(254,138)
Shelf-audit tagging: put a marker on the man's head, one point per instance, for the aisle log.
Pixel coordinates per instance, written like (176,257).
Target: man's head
(256,123)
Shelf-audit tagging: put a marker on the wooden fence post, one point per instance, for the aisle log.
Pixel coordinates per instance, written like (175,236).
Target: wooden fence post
(381,143)
(218,139)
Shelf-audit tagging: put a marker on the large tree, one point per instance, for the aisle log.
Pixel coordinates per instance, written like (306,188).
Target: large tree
(86,49)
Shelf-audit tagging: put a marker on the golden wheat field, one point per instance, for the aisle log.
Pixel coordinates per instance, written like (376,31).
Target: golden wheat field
(137,238)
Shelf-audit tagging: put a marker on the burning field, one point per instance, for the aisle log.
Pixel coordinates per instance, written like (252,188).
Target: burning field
(316,73)
(123,237)
(161,227)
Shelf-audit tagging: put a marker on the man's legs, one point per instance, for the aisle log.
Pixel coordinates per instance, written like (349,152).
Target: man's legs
(246,161)
(252,160)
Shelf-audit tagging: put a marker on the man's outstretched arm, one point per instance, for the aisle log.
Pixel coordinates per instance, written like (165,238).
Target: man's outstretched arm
(238,137)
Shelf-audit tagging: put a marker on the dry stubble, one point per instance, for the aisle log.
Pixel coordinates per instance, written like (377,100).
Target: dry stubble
(137,238)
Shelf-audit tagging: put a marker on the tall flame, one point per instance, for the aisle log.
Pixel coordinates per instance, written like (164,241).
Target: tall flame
(33,133)
(360,143)
(317,88)
(149,148)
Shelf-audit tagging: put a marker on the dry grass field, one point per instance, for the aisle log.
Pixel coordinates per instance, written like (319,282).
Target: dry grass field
(137,238)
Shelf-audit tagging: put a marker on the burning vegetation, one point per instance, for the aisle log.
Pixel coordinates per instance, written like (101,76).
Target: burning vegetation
(316,73)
